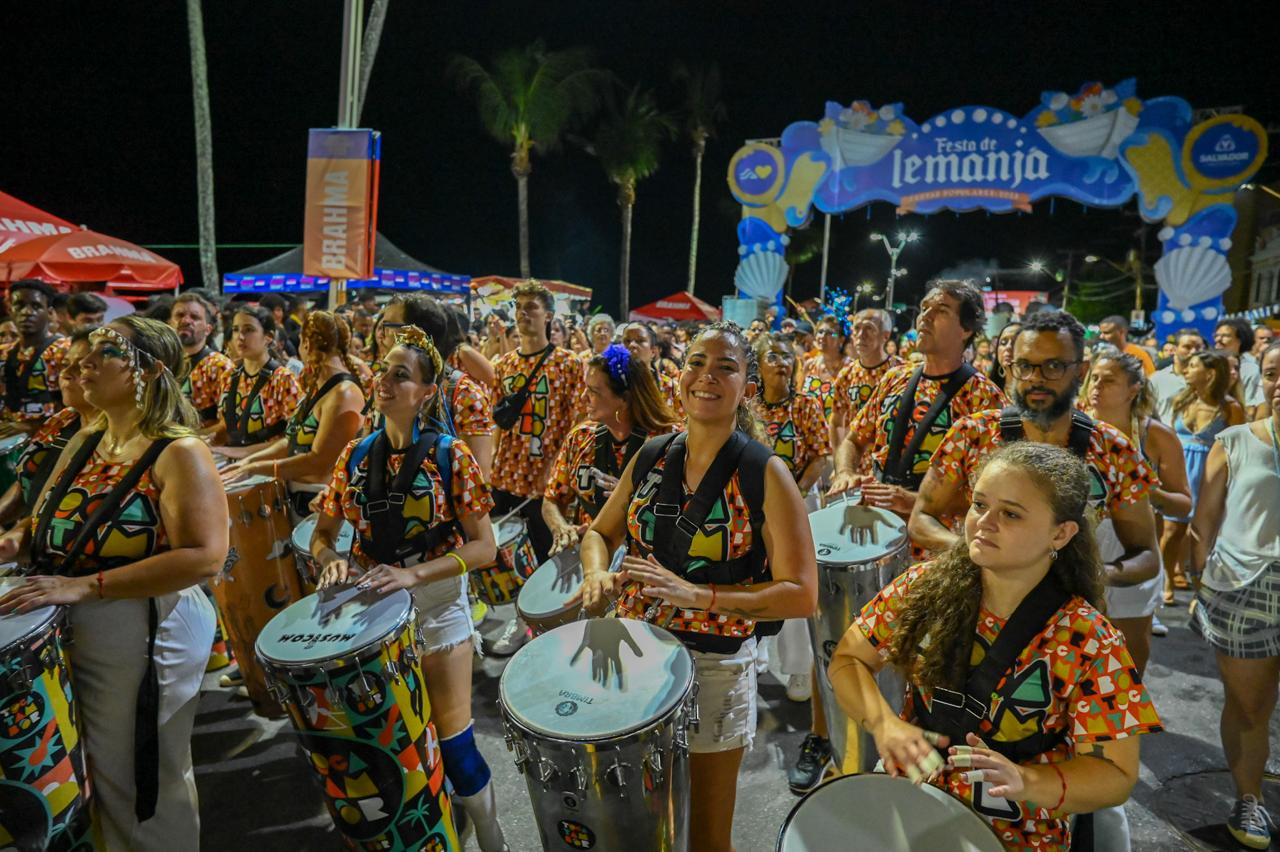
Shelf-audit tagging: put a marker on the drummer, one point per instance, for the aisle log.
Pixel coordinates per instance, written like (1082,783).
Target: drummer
(818,372)
(872,329)
(793,421)
(716,620)
(1052,714)
(260,395)
(126,554)
(41,453)
(328,418)
(32,364)
(425,542)
(194,318)
(625,408)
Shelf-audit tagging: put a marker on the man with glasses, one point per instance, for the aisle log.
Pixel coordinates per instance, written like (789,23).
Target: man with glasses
(872,329)
(31,365)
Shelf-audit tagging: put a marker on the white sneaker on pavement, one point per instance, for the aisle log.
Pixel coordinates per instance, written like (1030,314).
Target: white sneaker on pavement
(513,638)
(799,687)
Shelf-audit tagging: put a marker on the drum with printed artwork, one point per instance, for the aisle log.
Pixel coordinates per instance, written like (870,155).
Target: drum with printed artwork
(345,664)
(44,780)
(500,582)
(308,568)
(11,448)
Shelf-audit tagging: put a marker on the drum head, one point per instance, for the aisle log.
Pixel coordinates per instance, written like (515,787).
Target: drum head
(306,528)
(18,626)
(13,442)
(332,623)
(596,679)
(509,530)
(544,594)
(248,483)
(883,813)
(852,534)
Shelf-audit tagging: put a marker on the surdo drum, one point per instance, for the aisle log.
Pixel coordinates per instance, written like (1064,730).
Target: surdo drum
(885,814)
(345,665)
(860,549)
(44,782)
(499,583)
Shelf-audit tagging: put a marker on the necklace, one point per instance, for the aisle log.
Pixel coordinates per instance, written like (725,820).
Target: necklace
(773,406)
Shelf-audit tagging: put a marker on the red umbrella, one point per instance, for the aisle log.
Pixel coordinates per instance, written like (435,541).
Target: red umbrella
(20,222)
(677,306)
(87,256)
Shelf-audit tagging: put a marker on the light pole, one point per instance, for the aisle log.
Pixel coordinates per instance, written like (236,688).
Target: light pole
(894,250)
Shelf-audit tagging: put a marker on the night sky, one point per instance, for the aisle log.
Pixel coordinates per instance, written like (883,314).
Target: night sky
(98,125)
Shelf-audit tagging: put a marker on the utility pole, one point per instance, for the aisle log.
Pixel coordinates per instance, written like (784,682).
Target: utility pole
(348,100)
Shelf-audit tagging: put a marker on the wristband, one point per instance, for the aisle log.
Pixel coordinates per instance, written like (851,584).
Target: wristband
(462,563)
(1063,779)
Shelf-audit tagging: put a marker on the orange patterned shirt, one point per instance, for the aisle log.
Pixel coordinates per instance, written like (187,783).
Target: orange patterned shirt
(797,431)
(872,427)
(205,383)
(274,404)
(528,449)
(43,379)
(425,506)
(1076,679)
(726,535)
(815,380)
(854,385)
(571,477)
(1118,472)
(470,406)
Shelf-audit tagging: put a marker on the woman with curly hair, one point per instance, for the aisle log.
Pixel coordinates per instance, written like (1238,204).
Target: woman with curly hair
(328,417)
(134,519)
(1045,724)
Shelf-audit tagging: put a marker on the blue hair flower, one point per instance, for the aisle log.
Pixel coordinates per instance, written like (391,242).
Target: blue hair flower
(617,360)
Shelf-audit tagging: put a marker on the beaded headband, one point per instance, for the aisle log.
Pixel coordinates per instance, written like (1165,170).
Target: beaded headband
(133,353)
(416,338)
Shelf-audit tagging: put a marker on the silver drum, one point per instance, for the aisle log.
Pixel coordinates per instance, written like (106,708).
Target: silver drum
(596,714)
(860,549)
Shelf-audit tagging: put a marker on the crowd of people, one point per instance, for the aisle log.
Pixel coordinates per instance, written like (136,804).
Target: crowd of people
(1058,484)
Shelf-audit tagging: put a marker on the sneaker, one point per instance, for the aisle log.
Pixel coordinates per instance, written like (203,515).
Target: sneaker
(1249,823)
(230,679)
(815,758)
(513,637)
(479,610)
(762,657)
(799,687)
(1158,627)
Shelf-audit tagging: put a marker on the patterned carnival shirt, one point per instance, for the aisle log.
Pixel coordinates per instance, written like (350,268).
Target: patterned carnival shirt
(276,402)
(817,380)
(529,447)
(425,506)
(797,430)
(43,379)
(46,440)
(204,385)
(470,405)
(1076,679)
(872,426)
(572,477)
(854,384)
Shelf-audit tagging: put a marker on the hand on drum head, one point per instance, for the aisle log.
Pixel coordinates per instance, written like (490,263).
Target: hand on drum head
(567,538)
(336,572)
(842,482)
(660,583)
(388,578)
(232,473)
(882,495)
(1003,777)
(604,636)
(596,591)
(35,592)
(909,750)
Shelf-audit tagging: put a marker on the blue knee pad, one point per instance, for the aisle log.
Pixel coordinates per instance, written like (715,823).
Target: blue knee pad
(464,766)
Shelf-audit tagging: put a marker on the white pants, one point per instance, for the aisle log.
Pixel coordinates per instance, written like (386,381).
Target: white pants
(108,659)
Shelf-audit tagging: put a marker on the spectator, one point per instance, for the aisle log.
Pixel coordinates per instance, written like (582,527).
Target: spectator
(1115,330)
(85,310)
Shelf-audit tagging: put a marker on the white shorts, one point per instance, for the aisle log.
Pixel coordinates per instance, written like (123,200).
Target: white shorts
(444,615)
(1135,601)
(726,700)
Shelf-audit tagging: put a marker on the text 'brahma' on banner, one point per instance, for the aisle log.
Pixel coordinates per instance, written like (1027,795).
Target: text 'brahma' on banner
(342,203)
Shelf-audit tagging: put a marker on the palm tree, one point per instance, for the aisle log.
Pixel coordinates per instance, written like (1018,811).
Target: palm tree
(628,144)
(702,111)
(369,49)
(204,147)
(529,99)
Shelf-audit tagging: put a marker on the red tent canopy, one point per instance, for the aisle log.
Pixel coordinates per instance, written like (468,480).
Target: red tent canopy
(678,306)
(20,222)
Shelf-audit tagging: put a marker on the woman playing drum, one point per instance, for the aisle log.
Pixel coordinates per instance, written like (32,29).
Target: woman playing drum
(624,409)
(730,574)
(329,416)
(41,452)
(134,520)
(259,396)
(420,507)
(1045,724)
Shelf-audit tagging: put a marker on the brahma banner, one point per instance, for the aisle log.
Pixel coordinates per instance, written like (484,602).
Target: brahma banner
(342,203)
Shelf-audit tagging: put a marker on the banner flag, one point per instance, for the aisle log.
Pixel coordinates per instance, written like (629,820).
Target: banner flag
(341,219)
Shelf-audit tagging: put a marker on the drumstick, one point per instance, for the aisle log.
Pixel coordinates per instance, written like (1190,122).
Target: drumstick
(513,511)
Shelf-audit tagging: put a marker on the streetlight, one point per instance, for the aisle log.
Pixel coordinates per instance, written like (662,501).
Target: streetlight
(904,238)
(866,288)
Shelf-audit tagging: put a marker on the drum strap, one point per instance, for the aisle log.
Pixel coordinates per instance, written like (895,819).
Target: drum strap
(106,512)
(16,384)
(384,507)
(604,460)
(1011,430)
(52,453)
(308,405)
(898,463)
(958,713)
(238,422)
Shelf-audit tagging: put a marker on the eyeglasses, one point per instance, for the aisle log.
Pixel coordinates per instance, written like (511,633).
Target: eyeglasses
(1050,370)
(393,326)
(779,358)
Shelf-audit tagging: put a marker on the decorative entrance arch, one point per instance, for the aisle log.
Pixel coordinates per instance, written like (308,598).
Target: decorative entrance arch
(1099,147)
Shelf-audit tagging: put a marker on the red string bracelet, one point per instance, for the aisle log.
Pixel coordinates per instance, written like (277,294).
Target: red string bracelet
(100,595)
(1063,779)
(711,605)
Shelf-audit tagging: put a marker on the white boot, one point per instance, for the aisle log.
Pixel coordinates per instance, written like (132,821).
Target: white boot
(482,810)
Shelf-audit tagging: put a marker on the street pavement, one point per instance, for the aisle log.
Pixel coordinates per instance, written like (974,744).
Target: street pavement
(256,791)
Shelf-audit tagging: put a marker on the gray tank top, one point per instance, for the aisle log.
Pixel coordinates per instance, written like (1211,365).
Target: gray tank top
(1249,539)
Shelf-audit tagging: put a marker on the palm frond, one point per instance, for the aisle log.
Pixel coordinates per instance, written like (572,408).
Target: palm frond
(629,140)
(702,108)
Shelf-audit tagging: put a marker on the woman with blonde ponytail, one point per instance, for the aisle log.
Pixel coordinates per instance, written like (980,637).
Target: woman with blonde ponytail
(1045,724)
(329,416)
(133,520)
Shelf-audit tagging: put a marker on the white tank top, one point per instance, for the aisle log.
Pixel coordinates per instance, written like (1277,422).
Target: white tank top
(1249,539)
